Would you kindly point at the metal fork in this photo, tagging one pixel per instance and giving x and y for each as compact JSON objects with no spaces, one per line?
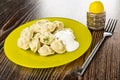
{"x":108,"y":31}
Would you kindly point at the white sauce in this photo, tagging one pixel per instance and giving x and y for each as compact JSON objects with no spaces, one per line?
{"x":68,"y":39}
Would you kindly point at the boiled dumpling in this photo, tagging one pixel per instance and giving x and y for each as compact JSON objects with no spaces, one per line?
{"x":45,"y":27}
{"x":26,"y":33}
{"x":59,"y":25}
{"x":58,"y":46}
{"x":23,"y":43}
{"x":51,"y":26}
{"x":36,"y":28}
{"x":35,"y":43}
{"x":47,"y":38}
{"x":25,"y":37}
{"x":48,"y":27}
{"x":45,"y":50}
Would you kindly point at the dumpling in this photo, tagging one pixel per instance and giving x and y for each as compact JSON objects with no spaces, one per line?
{"x":35,"y":43}
{"x":23,"y":43}
{"x":48,"y":27}
{"x":36,"y":28}
{"x":25,"y":37}
{"x":45,"y":27}
{"x":45,"y":50}
{"x":26,"y":33}
{"x":58,"y":46}
{"x":38,"y":25}
{"x":46,"y":38}
{"x":59,"y":25}
{"x":42,"y":26}
{"x":51,"y":26}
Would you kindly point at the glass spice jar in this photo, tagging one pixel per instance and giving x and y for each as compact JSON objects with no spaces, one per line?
{"x":96,"y":21}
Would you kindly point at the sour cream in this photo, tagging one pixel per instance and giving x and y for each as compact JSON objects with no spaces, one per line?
{"x":68,"y":39}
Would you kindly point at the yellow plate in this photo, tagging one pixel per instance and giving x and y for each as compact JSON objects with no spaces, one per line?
{"x":32,"y":60}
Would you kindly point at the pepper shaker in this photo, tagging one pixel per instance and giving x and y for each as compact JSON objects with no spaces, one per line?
{"x":96,"y":16}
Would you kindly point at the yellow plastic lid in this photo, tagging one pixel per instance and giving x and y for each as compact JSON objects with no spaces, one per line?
{"x":96,"y":7}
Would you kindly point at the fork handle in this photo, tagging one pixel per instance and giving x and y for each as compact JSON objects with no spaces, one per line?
{"x":90,"y":57}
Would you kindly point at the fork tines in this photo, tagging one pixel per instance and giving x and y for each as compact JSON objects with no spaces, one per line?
{"x":110,"y":25}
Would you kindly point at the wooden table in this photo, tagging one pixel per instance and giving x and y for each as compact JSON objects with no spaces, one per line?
{"x":104,"y":66}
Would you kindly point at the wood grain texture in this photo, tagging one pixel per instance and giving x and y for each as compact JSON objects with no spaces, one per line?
{"x":104,"y":66}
